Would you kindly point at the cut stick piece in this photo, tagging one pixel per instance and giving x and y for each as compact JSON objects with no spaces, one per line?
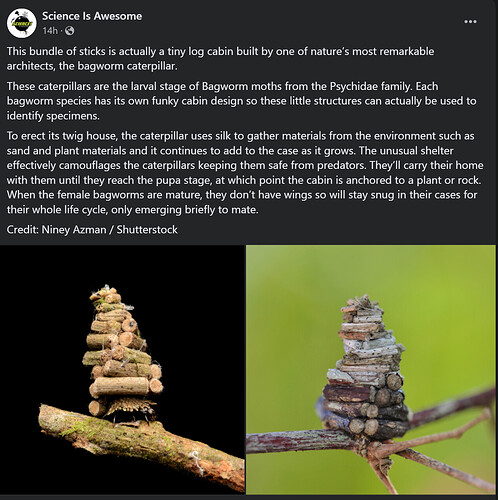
{"x":114,"y":368}
{"x":129,"y":339}
{"x":97,"y":371}
{"x":335,"y":376}
{"x":98,"y":341}
{"x":155,"y":386}
{"x":353,"y":394}
{"x":97,"y":407}
{"x":348,"y":409}
{"x":361,"y":335}
{"x":361,"y":328}
{"x":120,"y":386}
{"x":122,"y":353}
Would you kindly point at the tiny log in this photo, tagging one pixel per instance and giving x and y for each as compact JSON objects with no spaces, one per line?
{"x":378,"y":352}
{"x":347,"y":394}
{"x":116,"y":315}
{"x":129,"y":339}
{"x":394,"y":381}
{"x":372,"y":411}
{"x":389,"y":429}
{"x":363,"y":336}
{"x":114,"y":368}
{"x":113,"y":298}
{"x":397,"y":397}
{"x":335,"y":376}
{"x":92,"y":358}
{"x":97,"y":408}
{"x":366,"y":367}
{"x":155,"y":386}
{"x":129,"y":325}
{"x":369,"y":378}
{"x":398,"y":412}
{"x":131,"y":355}
{"x":361,"y":328}
{"x":333,"y":421}
{"x":383,"y":397}
{"x":348,"y":409}
{"x":105,"y":307}
{"x":97,"y":341}
{"x":356,"y":426}
{"x":97,"y":371}
{"x":119,"y":386}
{"x":371,"y":426}
{"x":99,"y":326}
{"x":382,"y":342}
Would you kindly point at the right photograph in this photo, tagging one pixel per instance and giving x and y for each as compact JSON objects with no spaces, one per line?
{"x":370,"y":369}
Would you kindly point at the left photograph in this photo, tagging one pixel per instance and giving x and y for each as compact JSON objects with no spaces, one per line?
{"x":128,"y":370}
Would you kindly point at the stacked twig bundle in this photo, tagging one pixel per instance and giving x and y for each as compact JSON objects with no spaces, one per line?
{"x":123,"y":373}
{"x":364,"y":394}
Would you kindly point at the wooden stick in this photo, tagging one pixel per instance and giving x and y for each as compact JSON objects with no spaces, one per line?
{"x":99,"y":341}
{"x":114,"y":368}
{"x":448,"y":470}
{"x":149,"y":442}
{"x":276,"y":442}
{"x":120,"y":386}
{"x":97,"y":408}
{"x":132,"y":341}
{"x":383,"y":477}
{"x":484,"y":398}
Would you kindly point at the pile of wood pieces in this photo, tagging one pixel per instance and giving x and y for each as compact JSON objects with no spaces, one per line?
{"x":123,"y":373}
{"x":364,"y":394}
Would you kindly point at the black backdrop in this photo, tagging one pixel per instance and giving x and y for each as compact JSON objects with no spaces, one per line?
{"x":189,"y":304}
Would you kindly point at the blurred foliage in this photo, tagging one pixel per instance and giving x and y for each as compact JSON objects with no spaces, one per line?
{"x":440,"y":302}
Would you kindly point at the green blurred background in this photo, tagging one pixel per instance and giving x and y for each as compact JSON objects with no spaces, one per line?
{"x":440,"y":302}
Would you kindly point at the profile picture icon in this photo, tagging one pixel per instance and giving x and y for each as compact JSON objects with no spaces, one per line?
{"x":21,"y":23}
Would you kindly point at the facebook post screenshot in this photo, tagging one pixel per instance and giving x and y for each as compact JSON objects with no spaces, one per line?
{"x":197,"y":196}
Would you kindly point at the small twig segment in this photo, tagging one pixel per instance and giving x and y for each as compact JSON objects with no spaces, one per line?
{"x":147,"y":441}
{"x":276,"y":442}
{"x":448,"y":470}
{"x":384,"y":450}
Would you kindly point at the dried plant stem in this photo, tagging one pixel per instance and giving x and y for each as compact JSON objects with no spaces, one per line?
{"x":275,"y":442}
{"x":483,"y":398}
{"x":447,"y":469}
{"x":382,"y":476}
{"x":384,"y":450}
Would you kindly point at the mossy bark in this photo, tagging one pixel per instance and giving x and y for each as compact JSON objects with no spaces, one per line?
{"x":148,"y":441}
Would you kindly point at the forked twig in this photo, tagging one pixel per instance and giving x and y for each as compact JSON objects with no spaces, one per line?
{"x":377,"y":452}
{"x":380,"y":450}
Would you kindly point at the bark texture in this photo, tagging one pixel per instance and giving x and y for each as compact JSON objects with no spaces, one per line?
{"x":148,"y":441}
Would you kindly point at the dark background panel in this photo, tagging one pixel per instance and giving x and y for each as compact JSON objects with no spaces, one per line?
{"x":189,"y":305}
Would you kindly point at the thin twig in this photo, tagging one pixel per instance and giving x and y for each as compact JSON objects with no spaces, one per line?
{"x":375,"y":464}
{"x":448,"y":470}
{"x":384,"y":450}
{"x":451,"y":406}
{"x":274,"y":442}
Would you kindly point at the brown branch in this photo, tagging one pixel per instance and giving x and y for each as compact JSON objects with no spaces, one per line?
{"x":447,"y":469}
{"x":275,"y":442}
{"x":147,"y":441}
{"x":484,"y":398}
